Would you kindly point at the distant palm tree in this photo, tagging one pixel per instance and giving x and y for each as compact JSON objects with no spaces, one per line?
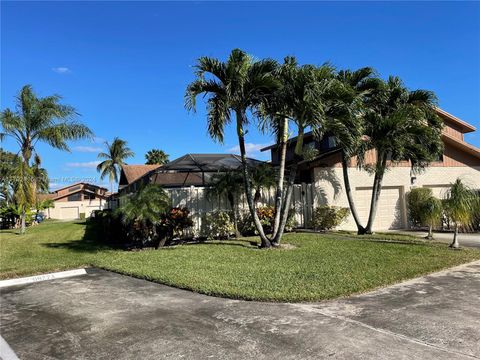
{"x":235,"y":86}
{"x":39,"y":119}
{"x":228,"y":183}
{"x":461,"y":204}
{"x":115,"y":157}
{"x":156,"y":156}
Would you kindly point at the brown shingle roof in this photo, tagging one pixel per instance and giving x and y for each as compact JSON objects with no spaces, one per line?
{"x":134,"y":172}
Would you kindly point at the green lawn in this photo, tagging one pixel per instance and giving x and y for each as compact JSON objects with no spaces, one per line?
{"x":320,"y":267}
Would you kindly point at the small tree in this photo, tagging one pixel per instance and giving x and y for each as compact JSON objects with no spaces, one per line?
{"x":156,"y":156}
{"x":460,"y":204}
{"x":431,"y":211}
{"x":143,"y":210}
{"x":416,"y":199}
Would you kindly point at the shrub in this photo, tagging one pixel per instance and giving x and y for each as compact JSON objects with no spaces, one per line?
{"x":328,"y":217}
{"x":416,"y":202}
{"x":218,"y":225}
{"x":175,"y":221}
{"x":266,"y":215}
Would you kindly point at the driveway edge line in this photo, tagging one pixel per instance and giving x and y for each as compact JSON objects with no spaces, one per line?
{"x":42,"y":277}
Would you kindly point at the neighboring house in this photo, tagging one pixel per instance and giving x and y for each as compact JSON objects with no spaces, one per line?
{"x":74,"y":200}
{"x":186,"y":171}
{"x":459,"y":160}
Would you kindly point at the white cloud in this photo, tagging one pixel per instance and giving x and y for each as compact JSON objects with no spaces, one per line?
{"x":61,"y":70}
{"x":98,"y":140}
{"x":87,"y":164}
{"x":88,"y":149}
{"x":250,"y":148}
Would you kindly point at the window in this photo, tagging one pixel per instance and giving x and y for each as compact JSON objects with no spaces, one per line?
{"x":75,"y":197}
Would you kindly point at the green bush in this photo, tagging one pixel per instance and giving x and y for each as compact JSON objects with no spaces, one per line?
{"x":217,"y":225}
{"x":266,"y":214}
{"x":328,"y":217}
{"x":416,"y":200}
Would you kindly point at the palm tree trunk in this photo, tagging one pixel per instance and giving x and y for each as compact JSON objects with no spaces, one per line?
{"x":291,"y":181}
{"x":348,"y":192}
{"x":23,"y":217}
{"x":430,"y":232}
{"x":455,"y":244}
{"x":281,"y":177}
{"x":286,"y":205}
{"x":377,"y":189}
{"x":265,"y":242}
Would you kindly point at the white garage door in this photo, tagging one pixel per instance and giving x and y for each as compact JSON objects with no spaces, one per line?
{"x":390,"y":211}
{"x":69,"y":213}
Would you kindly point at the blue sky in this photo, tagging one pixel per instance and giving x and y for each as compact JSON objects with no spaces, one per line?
{"x":125,"y":66}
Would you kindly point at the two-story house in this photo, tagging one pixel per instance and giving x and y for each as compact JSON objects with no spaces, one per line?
{"x":459,"y":160}
{"x":74,"y":200}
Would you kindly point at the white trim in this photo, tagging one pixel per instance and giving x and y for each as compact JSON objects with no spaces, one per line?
{"x":42,"y":277}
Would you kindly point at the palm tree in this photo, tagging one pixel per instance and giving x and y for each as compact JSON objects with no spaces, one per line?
{"x":262,"y":177}
{"x":115,"y":157}
{"x":345,"y":121}
{"x":431,"y":211}
{"x":41,"y":182}
{"x":227,"y":183}
{"x":401,"y":125}
{"x":144,"y":209}
{"x":40,"y":119}
{"x":302,"y":100}
{"x":156,"y":156}
{"x":460,"y":204}
{"x":235,"y":86}
{"x":24,"y":195}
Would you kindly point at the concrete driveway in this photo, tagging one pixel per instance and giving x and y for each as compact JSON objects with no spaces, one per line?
{"x":103,"y":315}
{"x":465,"y":239}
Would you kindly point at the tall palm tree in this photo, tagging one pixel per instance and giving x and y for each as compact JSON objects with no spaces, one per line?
{"x":401,"y":125}
{"x":346,"y":124}
{"x":302,"y":100}
{"x":460,"y":204}
{"x":227,"y":183}
{"x":39,"y":119}
{"x":156,"y":156}
{"x":235,"y":86}
{"x":115,"y":157}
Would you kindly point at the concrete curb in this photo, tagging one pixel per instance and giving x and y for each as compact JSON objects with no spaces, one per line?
{"x":42,"y":277}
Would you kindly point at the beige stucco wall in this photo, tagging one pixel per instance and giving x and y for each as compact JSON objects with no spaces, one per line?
{"x":69,"y":210}
{"x":329,"y":189}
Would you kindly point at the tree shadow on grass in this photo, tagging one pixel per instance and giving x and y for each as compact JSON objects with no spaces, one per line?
{"x":248,"y":244}
{"x":90,"y":242}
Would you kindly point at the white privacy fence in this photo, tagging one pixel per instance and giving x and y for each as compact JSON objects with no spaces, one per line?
{"x":195,"y":199}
